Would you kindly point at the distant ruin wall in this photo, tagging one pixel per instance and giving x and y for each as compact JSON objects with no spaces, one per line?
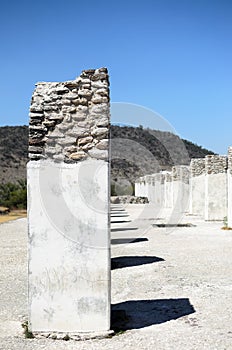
{"x":216,"y":187}
{"x":180,"y":176}
{"x":216,"y":164}
{"x":149,"y":184}
{"x":203,"y":189}
{"x":229,"y":187}
{"x":168,"y":191}
{"x":197,"y":187}
{"x":197,"y":167}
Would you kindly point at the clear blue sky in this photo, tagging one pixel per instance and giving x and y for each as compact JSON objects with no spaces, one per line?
{"x":172,"y":56}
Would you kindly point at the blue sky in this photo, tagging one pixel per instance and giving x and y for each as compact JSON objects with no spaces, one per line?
{"x":171,"y":56}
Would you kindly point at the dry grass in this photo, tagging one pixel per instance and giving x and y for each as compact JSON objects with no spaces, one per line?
{"x":13,"y":215}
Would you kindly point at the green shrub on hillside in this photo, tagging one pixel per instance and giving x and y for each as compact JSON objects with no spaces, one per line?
{"x":14,"y":195}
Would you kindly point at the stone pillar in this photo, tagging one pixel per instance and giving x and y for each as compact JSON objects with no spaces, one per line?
{"x":230,"y":187}
{"x":149,"y":181}
{"x":158,"y":197}
{"x":180,"y":178}
{"x":137,"y":188}
{"x":140,"y":187}
{"x":197,"y":187}
{"x":162,"y":188}
{"x":216,"y":187}
{"x":168,"y":190}
{"x":68,"y":206}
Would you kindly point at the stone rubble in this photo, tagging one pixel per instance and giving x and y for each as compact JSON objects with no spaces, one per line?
{"x":197,"y":167}
{"x":60,"y":114}
{"x":129,"y":200}
{"x":216,"y":164}
{"x":230,"y":160}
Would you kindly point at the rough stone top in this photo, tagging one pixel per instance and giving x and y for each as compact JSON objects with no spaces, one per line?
{"x":181,"y":173}
{"x":157,"y":177}
{"x":216,"y":164}
{"x":230,"y":160}
{"x":149,"y":179}
{"x":197,"y":167}
{"x":168,"y":176}
{"x":69,"y":121}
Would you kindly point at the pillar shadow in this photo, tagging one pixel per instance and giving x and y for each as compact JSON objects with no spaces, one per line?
{"x":128,"y":261}
{"x":136,"y":314}
{"x":116,"y":209}
{"x":119,"y":221}
{"x":119,"y":215}
{"x":173,"y":225}
{"x":128,"y":240}
{"x":124,"y":229}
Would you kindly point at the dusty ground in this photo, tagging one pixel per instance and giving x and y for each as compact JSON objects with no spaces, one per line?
{"x":174,"y":285}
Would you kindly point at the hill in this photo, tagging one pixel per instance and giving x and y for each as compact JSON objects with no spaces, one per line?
{"x":13,"y":153}
{"x":135,"y":152}
{"x":138,"y":151}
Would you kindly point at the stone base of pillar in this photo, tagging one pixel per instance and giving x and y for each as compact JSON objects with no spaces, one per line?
{"x":73,"y":336}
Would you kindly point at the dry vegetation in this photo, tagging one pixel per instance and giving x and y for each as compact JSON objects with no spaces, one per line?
{"x":135,"y":152}
{"x":13,"y":215}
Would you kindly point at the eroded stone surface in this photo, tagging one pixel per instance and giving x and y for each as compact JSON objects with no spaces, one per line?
{"x":65,"y":111}
{"x":197,"y":167}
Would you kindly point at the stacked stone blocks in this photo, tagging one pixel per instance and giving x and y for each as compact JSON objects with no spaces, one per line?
{"x":69,"y":121}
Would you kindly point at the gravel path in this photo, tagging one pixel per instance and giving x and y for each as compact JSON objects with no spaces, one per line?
{"x":175,"y":287}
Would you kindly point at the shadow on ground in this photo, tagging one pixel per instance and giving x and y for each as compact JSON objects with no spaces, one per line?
{"x":119,"y":215}
{"x":124,"y":229}
{"x":119,"y":221}
{"x":128,"y":240}
{"x":128,"y":261}
{"x":135,"y":314}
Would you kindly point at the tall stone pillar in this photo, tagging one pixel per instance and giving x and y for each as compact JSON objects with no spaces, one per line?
{"x":68,"y":206}
{"x":230,"y":187}
{"x":216,"y":187}
{"x":150,"y":186}
{"x":180,"y":178}
{"x":143,"y":187}
{"x":197,"y":187}
{"x":158,"y":193}
{"x":137,"y":188}
{"x":168,"y":190}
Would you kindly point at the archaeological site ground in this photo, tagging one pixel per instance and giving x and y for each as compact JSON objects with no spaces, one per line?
{"x":149,"y":269}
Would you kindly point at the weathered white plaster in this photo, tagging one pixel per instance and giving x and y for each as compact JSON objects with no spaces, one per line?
{"x":141,"y":188}
{"x":168,"y":194}
{"x":229,"y":179}
{"x":180,"y":177}
{"x":137,"y":189}
{"x":229,"y":199}
{"x":69,"y":254}
{"x":180,"y":196}
{"x":215,"y":196}
{"x":159,"y":191}
{"x":197,"y":195}
{"x":150,"y":188}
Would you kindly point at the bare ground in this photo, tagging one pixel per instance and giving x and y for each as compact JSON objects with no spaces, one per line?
{"x":173,"y":287}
